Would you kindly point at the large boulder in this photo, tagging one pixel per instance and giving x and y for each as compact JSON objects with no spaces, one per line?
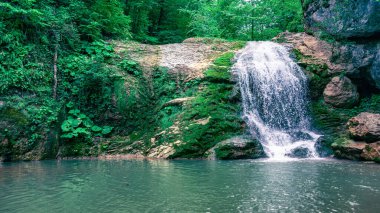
{"x":239,"y":147}
{"x":365,"y":127}
{"x":345,"y":19}
{"x":341,"y":92}
{"x":360,"y":60}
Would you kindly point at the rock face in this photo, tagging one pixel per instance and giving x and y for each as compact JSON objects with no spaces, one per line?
{"x":184,"y":61}
{"x":240,"y":147}
{"x":365,"y":126}
{"x":375,"y":70}
{"x":360,"y":60}
{"x":340,"y":92}
{"x":358,"y":151}
{"x":346,"y":19}
{"x":365,"y":129}
{"x":353,"y":20}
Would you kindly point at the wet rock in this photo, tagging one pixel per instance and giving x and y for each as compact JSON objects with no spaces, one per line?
{"x":322,"y":146}
{"x":365,"y":126}
{"x":299,"y":152}
{"x":346,"y":19}
{"x":341,"y":92}
{"x":240,"y":147}
{"x":163,"y":151}
{"x":358,"y":151}
{"x":299,"y":135}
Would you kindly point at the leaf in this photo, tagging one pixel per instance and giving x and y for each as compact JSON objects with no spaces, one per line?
{"x":75,"y":123}
{"x":87,"y":123}
{"x":82,"y":116}
{"x":81,"y":131}
{"x":74,"y":112}
{"x":66,"y":126}
{"x":96,"y":128}
{"x":107,"y":130}
{"x":68,"y":136}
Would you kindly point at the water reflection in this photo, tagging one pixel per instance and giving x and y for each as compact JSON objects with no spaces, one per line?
{"x":189,"y":186}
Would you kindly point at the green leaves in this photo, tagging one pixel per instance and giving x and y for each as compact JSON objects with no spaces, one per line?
{"x":106,"y":130}
{"x":132,"y":67}
{"x":80,"y":126}
{"x":96,"y":128}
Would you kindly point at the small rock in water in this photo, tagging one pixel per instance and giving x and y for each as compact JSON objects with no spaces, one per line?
{"x":299,"y":152}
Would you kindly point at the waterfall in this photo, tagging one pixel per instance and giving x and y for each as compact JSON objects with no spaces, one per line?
{"x":274,"y":99}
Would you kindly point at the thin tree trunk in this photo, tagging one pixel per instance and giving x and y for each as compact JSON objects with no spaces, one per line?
{"x":55,"y":71}
{"x":252,"y":22}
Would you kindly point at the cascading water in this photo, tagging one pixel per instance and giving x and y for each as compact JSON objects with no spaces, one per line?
{"x":273,"y":90}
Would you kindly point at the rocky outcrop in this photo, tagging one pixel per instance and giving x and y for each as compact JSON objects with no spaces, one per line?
{"x":240,"y":147}
{"x":184,"y":61}
{"x":358,"y":151}
{"x":365,"y":127}
{"x":359,"y":60}
{"x":344,"y":19}
{"x":348,"y":25}
{"x":341,"y":92}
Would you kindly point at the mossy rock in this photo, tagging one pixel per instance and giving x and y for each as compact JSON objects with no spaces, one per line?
{"x":239,"y":147}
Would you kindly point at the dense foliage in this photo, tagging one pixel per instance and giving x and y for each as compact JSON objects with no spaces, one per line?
{"x":173,"y":20}
{"x":60,"y":76}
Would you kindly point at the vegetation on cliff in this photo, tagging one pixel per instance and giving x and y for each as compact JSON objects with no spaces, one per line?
{"x":72,"y":81}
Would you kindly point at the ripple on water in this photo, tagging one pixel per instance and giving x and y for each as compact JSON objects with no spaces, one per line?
{"x":190,"y":186}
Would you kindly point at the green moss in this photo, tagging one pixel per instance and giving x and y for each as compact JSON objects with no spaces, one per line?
{"x":224,"y":60}
{"x":332,"y":121}
{"x":340,"y":141}
{"x":217,"y":75}
{"x":376,"y":160}
{"x":318,"y":75}
{"x":13,"y":115}
{"x":212,"y":116}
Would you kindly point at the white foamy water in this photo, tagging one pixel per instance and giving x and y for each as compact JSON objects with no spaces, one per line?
{"x":274,"y":96}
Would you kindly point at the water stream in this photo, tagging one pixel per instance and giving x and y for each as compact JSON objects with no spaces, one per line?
{"x":274,"y":96}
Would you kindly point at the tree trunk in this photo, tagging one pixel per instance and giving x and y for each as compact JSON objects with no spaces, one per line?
{"x":252,"y":22}
{"x":55,"y":71}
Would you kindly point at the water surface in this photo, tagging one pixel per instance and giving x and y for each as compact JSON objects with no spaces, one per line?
{"x":189,"y":186}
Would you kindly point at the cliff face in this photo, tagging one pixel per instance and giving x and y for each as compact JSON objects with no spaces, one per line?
{"x":179,"y":102}
{"x":356,"y":25}
{"x":344,"y":46}
{"x":343,"y":18}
